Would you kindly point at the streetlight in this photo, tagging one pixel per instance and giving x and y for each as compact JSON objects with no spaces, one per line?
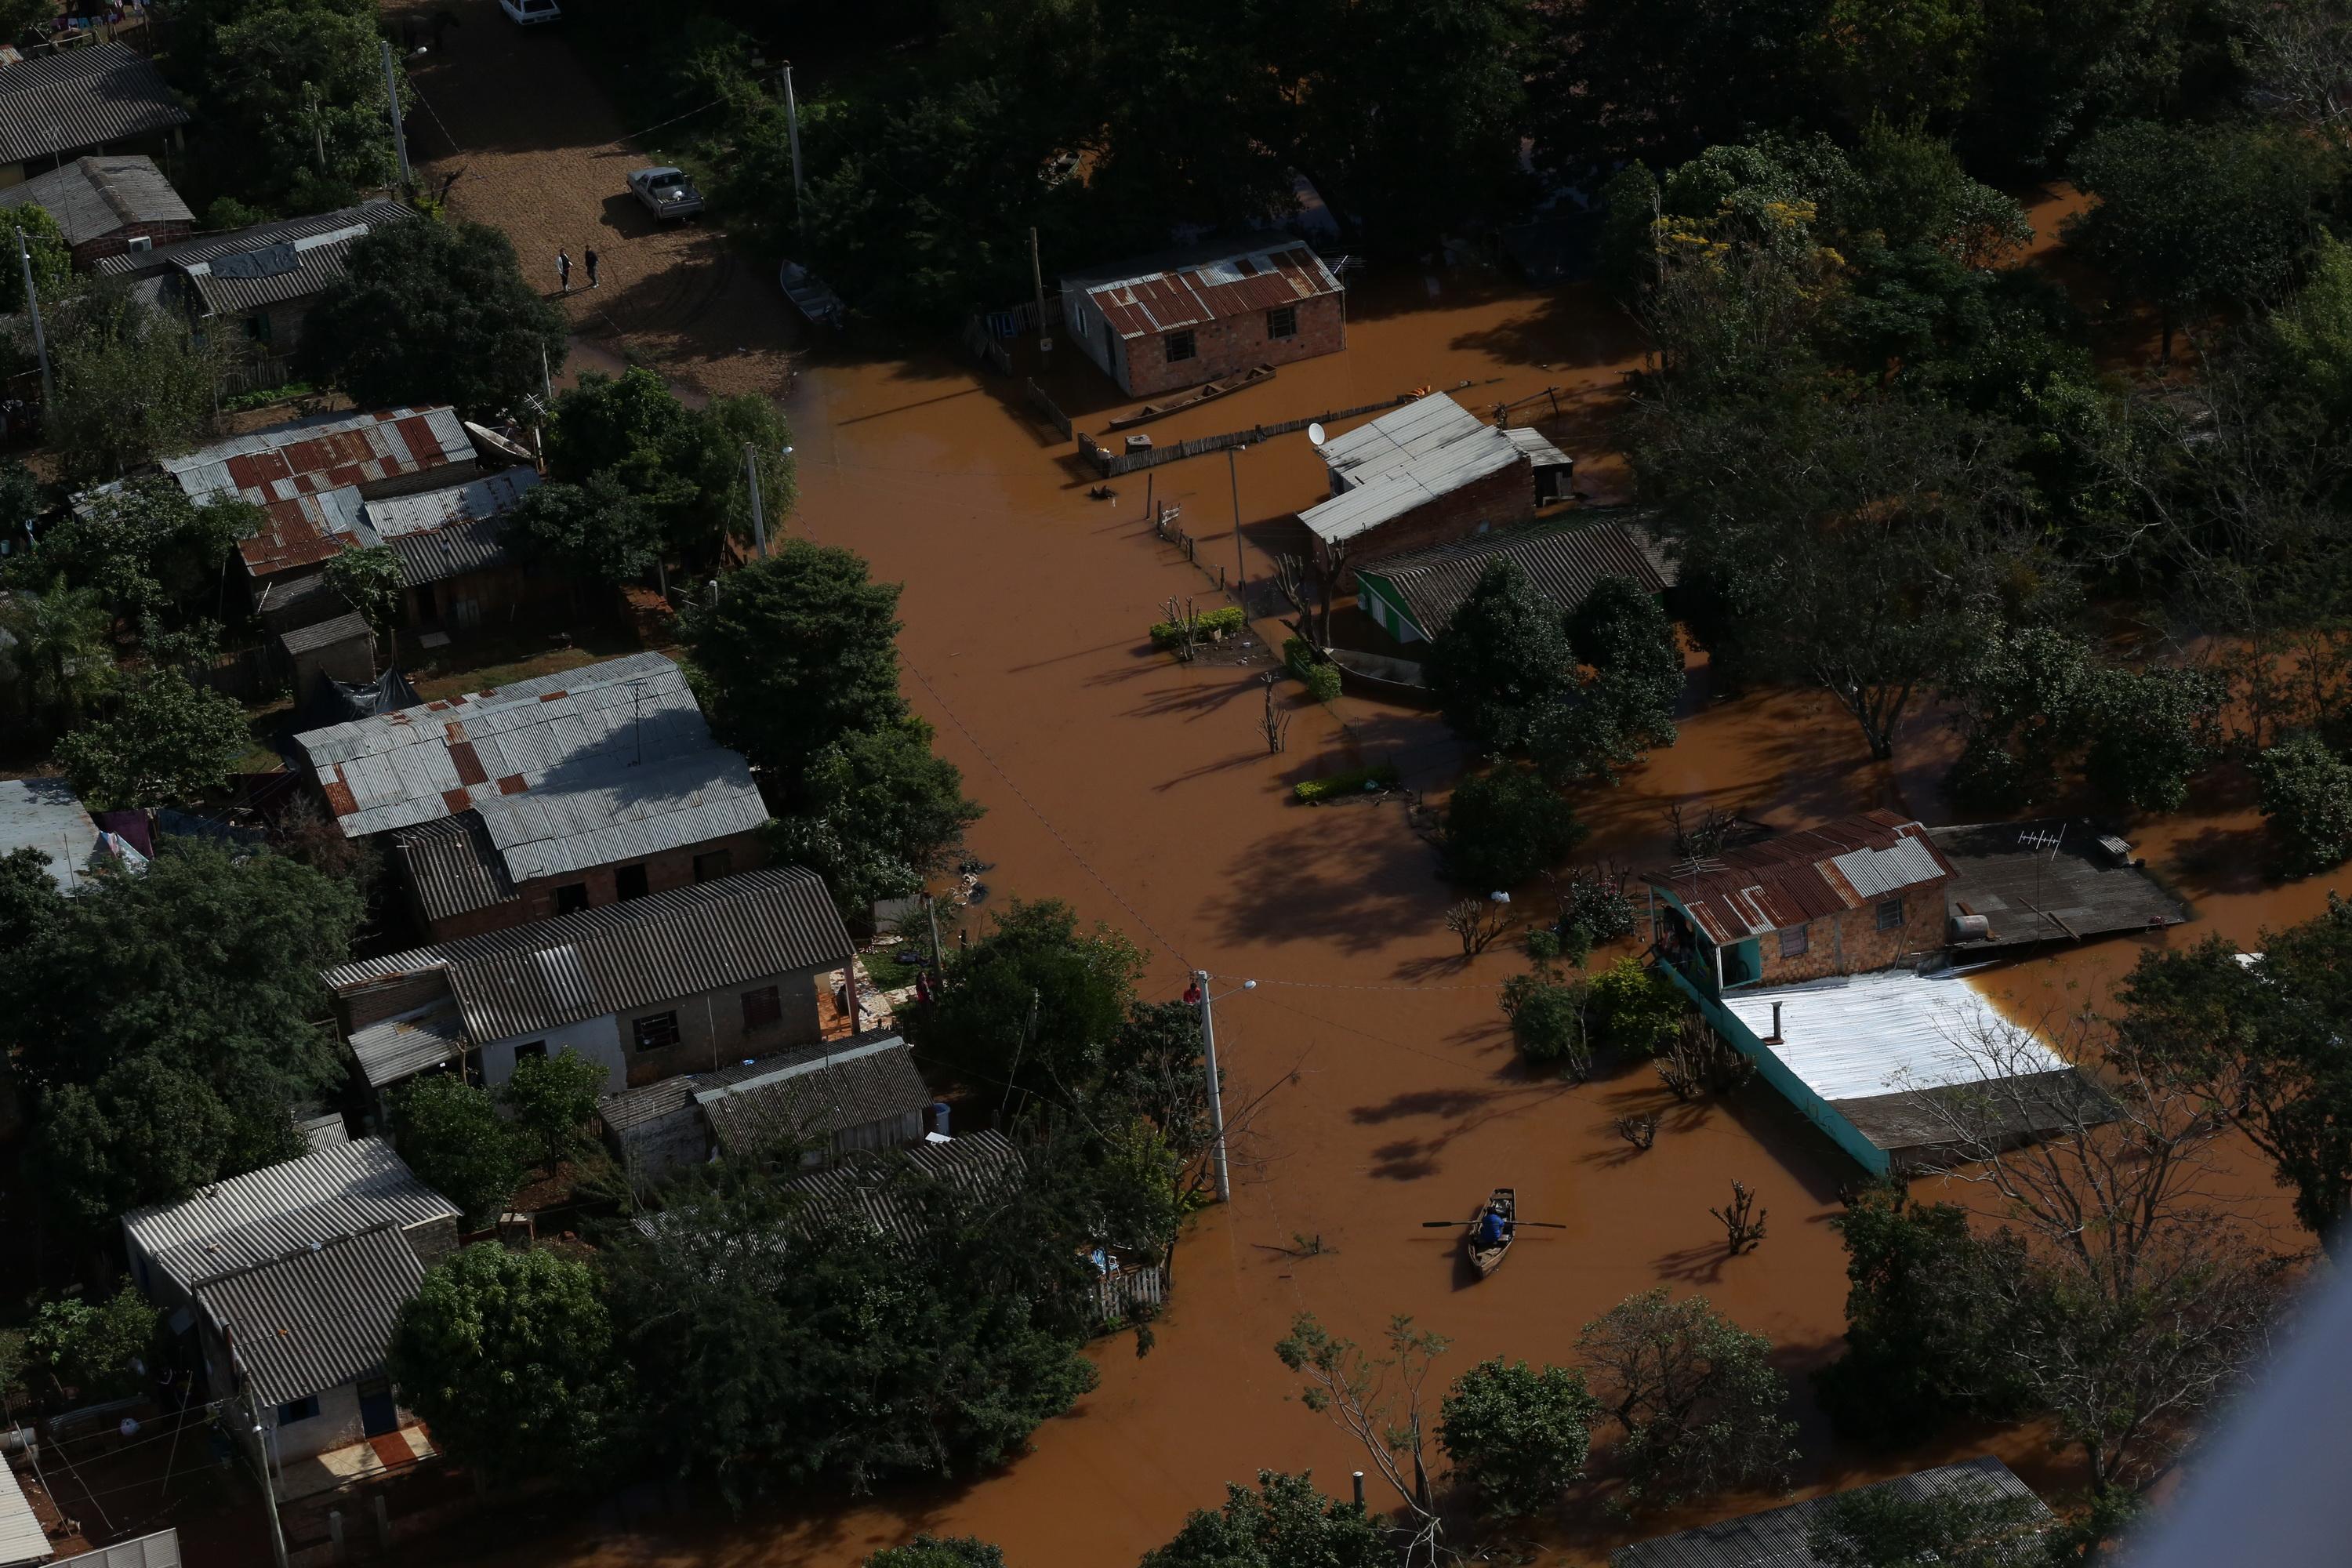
{"x":752,"y":467}
{"x":1199,"y":992}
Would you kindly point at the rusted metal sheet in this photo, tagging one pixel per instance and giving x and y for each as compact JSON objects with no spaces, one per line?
{"x":469,"y":766}
{"x":1217,"y":289}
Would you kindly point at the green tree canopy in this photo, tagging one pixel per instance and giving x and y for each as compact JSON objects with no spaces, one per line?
{"x":146,"y":1132}
{"x":165,"y":741}
{"x":134,"y":384}
{"x":1515,"y":1434}
{"x":682,"y":464}
{"x":36,"y":231}
{"x":597,"y":529}
{"x":89,"y":1345}
{"x":928,"y":1550}
{"x":554,"y":1100}
{"x":799,"y":650}
{"x":370,"y":582}
{"x":1038,"y":988}
{"x":2306,"y":794}
{"x":430,"y":312}
{"x":1695,"y":1396}
{"x":452,"y":1136}
{"x":146,"y":548}
{"x":1505,"y":661}
{"x":508,"y":1357}
{"x":1504,"y":826}
{"x":880,"y":813}
{"x":290,"y":98}
{"x":1285,"y":1523}
{"x":60,"y":655}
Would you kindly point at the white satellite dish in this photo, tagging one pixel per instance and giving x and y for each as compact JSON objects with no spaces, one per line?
{"x":1314,"y":434}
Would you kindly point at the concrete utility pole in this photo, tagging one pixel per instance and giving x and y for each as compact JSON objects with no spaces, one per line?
{"x":1038,"y":276}
{"x":40,"y":343}
{"x":1216,"y":1086}
{"x":793,"y":134}
{"x":392,"y":101}
{"x":759,"y":523}
{"x":1241,"y":570}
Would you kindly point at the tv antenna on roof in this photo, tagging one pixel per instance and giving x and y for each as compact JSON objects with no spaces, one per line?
{"x":2038,"y":840}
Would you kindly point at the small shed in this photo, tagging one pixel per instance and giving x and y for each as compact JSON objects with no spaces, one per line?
{"x":1780,"y":1537}
{"x":342,"y":650}
{"x":831,"y":1099}
{"x":107,"y":205}
{"x":1427,"y":474}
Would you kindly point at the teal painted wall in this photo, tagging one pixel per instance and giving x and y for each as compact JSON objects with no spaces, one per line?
{"x":1777,"y":1073}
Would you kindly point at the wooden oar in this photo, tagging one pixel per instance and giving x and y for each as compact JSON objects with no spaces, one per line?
{"x":1545,"y":1223}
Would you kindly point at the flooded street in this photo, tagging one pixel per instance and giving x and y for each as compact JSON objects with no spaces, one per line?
{"x":1140,"y":792}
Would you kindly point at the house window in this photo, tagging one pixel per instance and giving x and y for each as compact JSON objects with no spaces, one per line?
{"x":530,"y":1048}
{"x":302,"y":1409}
{"x":1180,"y":347}
{"x":713,"y":864}
{"x":657,"y":1030}
{"x":1795,"y":940}
{"x":570,"y":898}
{"x":1890,"y":915}
{"x":629,"y":882}
{"x":761,"y":1008}
{"x":1281,"y":322}
{"x":257,"y":327}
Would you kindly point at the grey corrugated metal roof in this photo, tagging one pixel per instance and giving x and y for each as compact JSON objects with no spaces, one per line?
{"x":45,"y":814}
{"x":809,"y":1095}
{"x":1903,"y":864}
{"x":629,"y":955}
{"x":440,"y":553}
{"x":1401,"y":438}
{"x":453,"y":866}
{"x":1562,"y":563}
{"x":268,"y":1213}
{"x":314,"y":264}
{"x":93,"y":196}
{"x":22,"y":1539}
{"x":348,"y":628}
{"x":368,"y":215}
{"x":1778,"y":1538}
{"x":490,"y":496}
{"x":79,"y":99}
{"x":161,"y":1550}
{"x":318,"y":1319}
{"x":874,"y":1189}
{"x":402,"y":1047}
{"x":1429,"y":449}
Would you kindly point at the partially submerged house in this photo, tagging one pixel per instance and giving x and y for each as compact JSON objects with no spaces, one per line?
{"x":1430,"y":473}
{"x":291,"y":1278}
{"x":1413,"y":596}
{"x":2015,"y":883}
{"x":1782,"y":1537}
{"x":107,"y":205}
{"x":692,"y":980}
{"x":1160,"y":322}
{"x":826,"y":1102}
{"x":253,"y":285}
{"x":104,"y":97}
{"x":558,"y":794}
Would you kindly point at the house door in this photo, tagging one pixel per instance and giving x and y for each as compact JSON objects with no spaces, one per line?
{"x":465,"y":612}
{"x":378,"y":1414}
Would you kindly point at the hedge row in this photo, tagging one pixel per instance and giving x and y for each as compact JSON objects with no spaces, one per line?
{"x":1340,"y":786}
{"x":1206,"y":626}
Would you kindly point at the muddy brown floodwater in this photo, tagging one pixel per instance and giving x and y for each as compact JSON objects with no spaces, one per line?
{"x":1140,"y":792}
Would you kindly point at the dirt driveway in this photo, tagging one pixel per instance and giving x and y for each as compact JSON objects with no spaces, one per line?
{"x":536,"y":149}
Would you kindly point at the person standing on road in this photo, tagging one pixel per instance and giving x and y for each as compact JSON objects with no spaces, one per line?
{"x":591,"y":265}
{"x":564,"y":268}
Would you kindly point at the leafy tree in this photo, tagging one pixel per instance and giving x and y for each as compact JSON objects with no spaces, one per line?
{"x":1504,"y":662}
{"x":20,"y":496}
{"x":1904,"y":60}
{"x":1695,"y":1395}
{"x":2192,"y":217}
{"x":2306,"y":794}
{"x":291,"y":94}
{"x":2309,"y":337}
{"x":1036,"y":990}
{"x":2151,"y":731}
{"x":1925,"y":1322}
{"x":452,"y":1136}
{"x":928,"y":1550}
{"x":1515,"y":1434}
{"x":88,"y":1346}
{"x":553,"y":1098}
{"x":165,"y":742}
{"x":682,"y":465}
{"x":32,"y":227}
{"x":879,"y":813}
{"x":433,"y":312}
{"x":1628,"y":705}
{"x":1552,"y":1022}
{"x":59,"y":651}
{"x":146,"y":548}
{"x":2262,"y":1045}
{"x":597,"y":529}
{"x":1634,"y":1009}
{"x":799,"y":650}
{"x":1967,"y":1524}
{"x":508,"y":1357}
{"x":1505,"y":826}
{"x":1908,"y":188}
{"x":133,"y":383}
{"x":1595,"y":903}
{"x":371,"y":583}
{"x":2023,"y":701}
{"x":747,"y":419}
{"x":1285,"y":1523}
{"x":145,"y":1132}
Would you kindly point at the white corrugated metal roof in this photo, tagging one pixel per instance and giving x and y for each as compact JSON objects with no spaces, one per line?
{"x":1865,"y":1034}
{"x":161,"y":1550}
{"x":22,"y":1539}
{"x":270,"y":1213}
{"x":1878,"y":872}
{"x":1400,"y":436}
{"x":395,"y":516}
{"x":1538,"y":446}
{"x":1406,"y":459}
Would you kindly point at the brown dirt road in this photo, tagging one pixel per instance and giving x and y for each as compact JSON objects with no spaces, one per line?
{"x":1139,"y":791}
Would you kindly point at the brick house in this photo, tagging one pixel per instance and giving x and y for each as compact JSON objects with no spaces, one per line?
{"x":1427,"y":474}
{"x":106,"y":206}
{"x":1861,"y":893}
{"x":693,"y":980}
{"x":562,"y":793}
{"x":1157,"y":323}
{"x":454,"y":558}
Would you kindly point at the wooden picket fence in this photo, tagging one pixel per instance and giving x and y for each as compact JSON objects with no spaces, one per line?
{"x":1132,"y":1292}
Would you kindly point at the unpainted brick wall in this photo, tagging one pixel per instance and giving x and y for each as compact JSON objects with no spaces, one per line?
{"x":669,"y":869}
{"x":1498,"y":499}
{"x":711,"y":1027}
{"x":1229,"y":346}
{"x":1850,"y":943}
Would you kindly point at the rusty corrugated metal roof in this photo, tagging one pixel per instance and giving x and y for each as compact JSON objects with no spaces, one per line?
{"x":1794,"y":878}
{"x":1261,"y":276}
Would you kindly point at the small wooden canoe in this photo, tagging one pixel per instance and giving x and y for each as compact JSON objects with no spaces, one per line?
{"x":1485,"y":1261}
